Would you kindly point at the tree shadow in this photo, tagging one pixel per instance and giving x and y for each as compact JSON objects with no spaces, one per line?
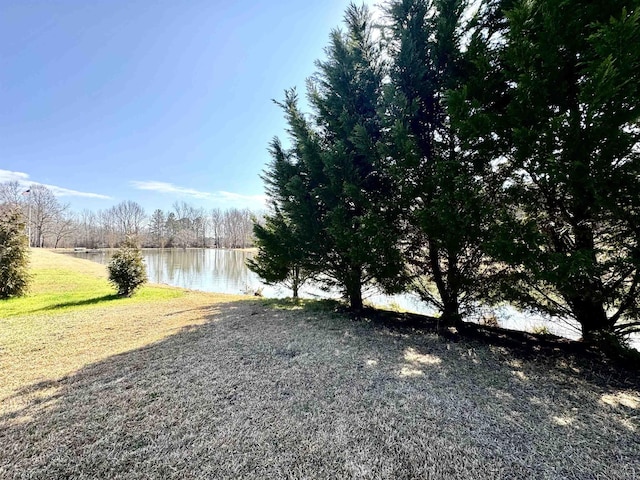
{"x":309,"y":305}
{"x":520,"y":344}
{"x":280,"y":390}
{"x":83,"y":303}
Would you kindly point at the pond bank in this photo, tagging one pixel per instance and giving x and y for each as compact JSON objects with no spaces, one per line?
{"x":203,"y":385}
{"x":225,"y":271}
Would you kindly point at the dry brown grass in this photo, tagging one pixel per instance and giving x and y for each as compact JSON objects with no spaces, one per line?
{"x":39,"y":349}
{"x":210,"y":386}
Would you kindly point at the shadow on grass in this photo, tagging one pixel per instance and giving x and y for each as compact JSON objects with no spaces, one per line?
{"x":83,"y":303}
{"x":520,"y":344}
{"x":283,"y":389}
{"x":309,"y":305}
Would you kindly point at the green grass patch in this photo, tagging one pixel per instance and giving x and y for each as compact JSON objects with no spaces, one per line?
{"x":58,"y":286}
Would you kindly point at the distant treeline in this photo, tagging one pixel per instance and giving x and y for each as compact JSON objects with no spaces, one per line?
{"x":54,"y":225}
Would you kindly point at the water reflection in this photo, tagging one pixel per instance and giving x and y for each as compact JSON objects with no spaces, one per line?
{"x":211,"y":270}
{"x":225,"y":271}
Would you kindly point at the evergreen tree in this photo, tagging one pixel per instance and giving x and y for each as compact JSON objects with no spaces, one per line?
{"x":127,"y":271}
{"x":157,"y":226}
{"x":565,"y":120}
{"x":172,"y":229}
{"x":14,"y":253}
{"x":441,"y":191}
{"x":280,"y":258}
{"x":329,"y":184}
{"x":285,"y":241}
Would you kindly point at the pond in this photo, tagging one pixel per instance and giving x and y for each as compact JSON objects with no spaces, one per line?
{"x":225,"y":271}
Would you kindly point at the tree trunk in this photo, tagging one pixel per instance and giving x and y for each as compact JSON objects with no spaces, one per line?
{"x":296,"y":281}
{"x":450,"y":305}
{"x":592,"y":317}
{"x":593,"y":320}
{"x":355,"y":300}
{"x":434,"y":261}
{"x":353,"y":287}
{"x":451,"y":310}
{"x":450,"y":313}
{"x":588,"y":306}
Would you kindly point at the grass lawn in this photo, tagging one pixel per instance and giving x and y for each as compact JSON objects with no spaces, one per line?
{"x":177,"y":384}
{"x":62,"y":282}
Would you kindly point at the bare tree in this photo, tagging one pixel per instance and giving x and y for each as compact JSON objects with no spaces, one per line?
{"x":246,"y":228}
{"x":45,"y":209}
{"x":11,"y":192}
{"x":216,"y":218}
{"x":190,"y":224}
{"x":63,"y":227}
{"x":129,"y":218}
{"x":182,"y":209}
{"x":237,"y":228}
{"x":107,"y":225}
{"x":87,"y":232}
{"x":186,"y":226}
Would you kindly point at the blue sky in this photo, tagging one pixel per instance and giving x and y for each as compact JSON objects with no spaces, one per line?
{"x":151,"y":101}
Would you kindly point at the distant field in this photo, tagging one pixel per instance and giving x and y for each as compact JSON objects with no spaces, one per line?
{"x":176,"y":384}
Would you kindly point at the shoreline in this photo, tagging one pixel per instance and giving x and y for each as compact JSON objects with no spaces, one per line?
{"x":183,"y":384}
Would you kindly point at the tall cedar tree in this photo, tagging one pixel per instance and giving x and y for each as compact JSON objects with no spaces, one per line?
{"x":564,"y":120}
{"x":14,"y":252}
{"x":328,"y":186}
{"x":288,"y":242}
{"x":440,"y":189}
{"x":280,"y":257}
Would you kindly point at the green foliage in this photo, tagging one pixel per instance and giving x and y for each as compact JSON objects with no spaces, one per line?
{"x":328,"y":188}
{"x":566,"y":138}
{"x":489,"y":157}
{"x":14,"y":253}
{"x":280,"y":258}
{"x":441,"y":190}
{"x":126,"y":268}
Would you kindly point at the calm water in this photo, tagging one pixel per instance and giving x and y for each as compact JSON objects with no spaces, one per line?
{"x":210,"y":270}
{"x":225,"y":271}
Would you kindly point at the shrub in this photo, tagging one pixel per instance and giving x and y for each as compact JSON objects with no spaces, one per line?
{"x":541,"y":330}
{"x":14,"y":253}
{"x":126,"y":268}
{"x":489,"y":321}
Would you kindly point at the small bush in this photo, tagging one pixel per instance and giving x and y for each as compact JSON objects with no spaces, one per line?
{"x":541,"y":330}
{"x":489,"y":321}
{"x":126,"y":268}
{"x":14,"y":253}
{"x":395,"y":307}
{"x":256,"y":292}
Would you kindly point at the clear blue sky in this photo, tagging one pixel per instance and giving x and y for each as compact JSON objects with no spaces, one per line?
{"x":151,"y":101}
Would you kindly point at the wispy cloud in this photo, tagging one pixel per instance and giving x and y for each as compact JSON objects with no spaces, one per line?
{"x":164,"y":187}
{"x":219,"y":196}
{"x":67,"y":192}
{"x":23,"y":179}
{"x":230,"y":196}
{"x":9,"y":176}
